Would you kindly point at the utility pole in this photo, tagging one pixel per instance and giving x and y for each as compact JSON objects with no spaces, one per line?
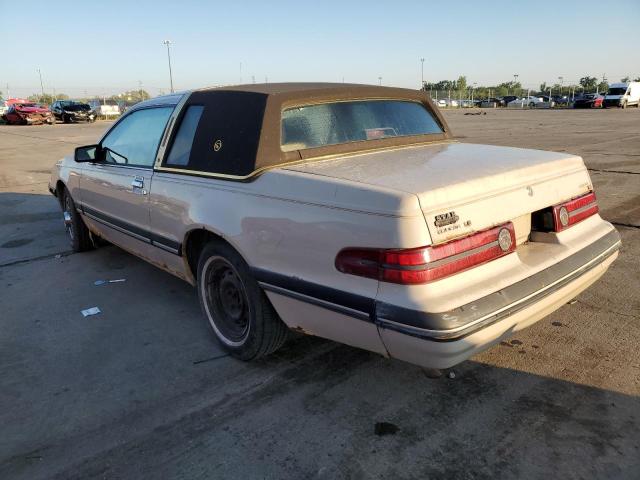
{"x":421,"y":73}
{"x":41,"y":84}
{"x":240,"y":72}
{"x":168,"y":43}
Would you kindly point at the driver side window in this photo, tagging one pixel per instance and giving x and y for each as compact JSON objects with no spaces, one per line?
{"x":134,"y":141}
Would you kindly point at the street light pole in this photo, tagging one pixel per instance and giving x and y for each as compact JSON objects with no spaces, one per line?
{"x":421,"y":73}
{"x":379,"y":80}
{"x":41,"y":84}
{"x":167,"y":43}
{"x":515,"y":80}
{"x":561,"y":85}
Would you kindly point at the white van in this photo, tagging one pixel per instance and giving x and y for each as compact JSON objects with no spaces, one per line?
{"x":622,"y":95}
{"x":107,"y":108}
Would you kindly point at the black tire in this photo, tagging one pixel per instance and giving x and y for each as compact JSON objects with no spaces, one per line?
{"x":66,"y":119}
{"x":77,"y":231}
{"x":239,"y":313}
{"x":532,"y":105}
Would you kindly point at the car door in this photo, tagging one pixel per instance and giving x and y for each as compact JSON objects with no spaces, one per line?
{"x":114,"y":191}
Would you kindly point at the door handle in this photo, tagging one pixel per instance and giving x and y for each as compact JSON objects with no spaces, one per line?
{"x":137,"y":185}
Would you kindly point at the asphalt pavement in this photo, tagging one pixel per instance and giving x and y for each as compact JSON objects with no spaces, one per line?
{"x":142,"y":390}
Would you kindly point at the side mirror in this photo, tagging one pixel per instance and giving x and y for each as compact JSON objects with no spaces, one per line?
{"x":87,"y":154}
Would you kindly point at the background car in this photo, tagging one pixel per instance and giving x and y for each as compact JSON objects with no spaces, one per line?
{"x":492,"y":102}
{"x":70,"y":111}
{"x":28,"y":114}
{"x":560,"y":99}
{"x":531,"y":101}
{"x":106,"y":108}
{"x":506,"y":99}
{"x":447,"y":102}
{"x":588,"y":100}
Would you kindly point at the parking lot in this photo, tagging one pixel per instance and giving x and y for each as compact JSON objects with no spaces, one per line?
{"x":143,"y":391}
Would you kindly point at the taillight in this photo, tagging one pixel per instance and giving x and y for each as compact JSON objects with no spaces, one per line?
{"x":574,"y":211}
{"x":427,"y":264}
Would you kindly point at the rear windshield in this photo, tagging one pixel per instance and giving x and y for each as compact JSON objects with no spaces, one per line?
{"x":342,"y":122}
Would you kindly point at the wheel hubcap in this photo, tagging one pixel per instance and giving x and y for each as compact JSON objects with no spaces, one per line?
{"x":68,"y":219}
{"x":226,"y":301}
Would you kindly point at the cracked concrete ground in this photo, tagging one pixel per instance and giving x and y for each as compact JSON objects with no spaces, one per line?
{"x":142,"y":390}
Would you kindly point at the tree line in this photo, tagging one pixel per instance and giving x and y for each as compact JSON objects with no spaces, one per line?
{"x":461,"y":89}
{"x":129,"y":97}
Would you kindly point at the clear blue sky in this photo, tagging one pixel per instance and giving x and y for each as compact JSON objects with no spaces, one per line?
{"x":106,"y":47}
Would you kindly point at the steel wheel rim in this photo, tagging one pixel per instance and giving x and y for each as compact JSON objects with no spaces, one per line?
{"x":67,"y":217}
{"x":226,"y":302}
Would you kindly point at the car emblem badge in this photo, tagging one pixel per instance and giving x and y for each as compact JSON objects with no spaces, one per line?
{"x":217,"y":145}
{"x":446,"y":219}
{"x":504,"y":240}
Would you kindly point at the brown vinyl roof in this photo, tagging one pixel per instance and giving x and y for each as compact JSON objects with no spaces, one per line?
{"x":297,"y":87}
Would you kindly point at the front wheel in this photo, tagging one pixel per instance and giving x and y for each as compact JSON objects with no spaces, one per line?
{"x":238,"y":311}
{"x":77,"y":231}
{"x":532,"y":105}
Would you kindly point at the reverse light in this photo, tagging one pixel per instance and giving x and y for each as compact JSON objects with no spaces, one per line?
{"x":428,"y":264}
{"x":574,"y":211}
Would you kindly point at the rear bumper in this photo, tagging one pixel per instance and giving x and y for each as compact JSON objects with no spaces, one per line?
{"x":466,"y":319}
{"x":518,"y":307}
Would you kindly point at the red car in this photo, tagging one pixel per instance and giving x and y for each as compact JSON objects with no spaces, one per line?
{"x":28,"y":114}
{"x":589,"y":100}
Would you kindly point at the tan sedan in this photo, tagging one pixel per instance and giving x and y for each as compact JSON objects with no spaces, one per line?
{"x":343,"y":211}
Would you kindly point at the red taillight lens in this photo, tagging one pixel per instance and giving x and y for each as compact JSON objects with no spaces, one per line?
{"x":427,"y":264}
{"x":574,"y":211}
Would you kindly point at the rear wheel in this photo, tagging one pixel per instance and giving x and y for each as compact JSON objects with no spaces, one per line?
{"x":238,"y":311}
{"x":532,"y":105}
{"x":77,"y":231}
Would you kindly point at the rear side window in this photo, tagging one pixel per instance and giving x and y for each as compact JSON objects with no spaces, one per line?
{"x":219,"y":133}
{"x":343,"y":122}
{"x":181,"y":148}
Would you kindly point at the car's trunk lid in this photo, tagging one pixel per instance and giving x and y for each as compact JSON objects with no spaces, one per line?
{"x":464,"y":188}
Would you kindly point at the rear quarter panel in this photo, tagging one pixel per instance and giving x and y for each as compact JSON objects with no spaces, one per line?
{"x":289,"y":222}
{"x":293,"y":224}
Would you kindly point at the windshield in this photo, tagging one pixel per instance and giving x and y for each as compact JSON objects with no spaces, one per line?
{"x":74,"y":106}
{"x":343,"y":122}
{"x":617,"y":91}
